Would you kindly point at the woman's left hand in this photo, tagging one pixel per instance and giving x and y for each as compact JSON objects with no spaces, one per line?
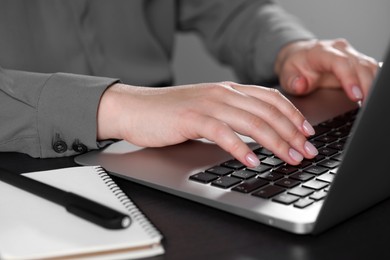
{"x":304,"y":66}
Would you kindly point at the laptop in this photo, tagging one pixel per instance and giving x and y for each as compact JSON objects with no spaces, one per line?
{"x":349,"y":175}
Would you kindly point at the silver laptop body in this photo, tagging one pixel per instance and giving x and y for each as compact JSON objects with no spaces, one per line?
{"x":362,"y":178}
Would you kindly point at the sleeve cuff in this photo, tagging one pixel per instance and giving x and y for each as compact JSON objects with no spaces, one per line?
{"x":67,"y":111}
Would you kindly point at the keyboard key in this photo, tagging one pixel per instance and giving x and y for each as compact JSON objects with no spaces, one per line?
{"x":340,"y":133}
{"x":271,"y":176}
{"x":319,"y":195}
{"x":300,"y":191}
{"x":302,"y":176}
{"x":250,"y":185}
{"x":338,"y":157}
{"x":268,"y":191}
{"x":219,"y":170}
{"x":304,"y":163}
{"x":326,"y":139}
{"x":316,"y":169}
{"x":203,"y":177}
{"x":327,"y":151}
{"x":226,"y":182}
{"x":319,"y":130}
{"x":319,"y":157}
{"x":261,"y":157}
{"x":263,"y":151}
{"x":234,"y":164}
{"x":243,"y":174}
{"x":286,"y":169}
{"x":315,"y":184}
{"x":272,"y":161}
{"x":303,"y":203}
{"x":261,"y":168}
{"x":285,"y":198}
{"x":337,"y":145}
{"x":317,"y":144}
{"x":327,"y":177}
{"x":287,"y":183}
{"x":329,"y":164}
{"x":332,"y":123}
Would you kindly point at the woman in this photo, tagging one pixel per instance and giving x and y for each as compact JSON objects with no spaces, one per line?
{"x":73,"y":70}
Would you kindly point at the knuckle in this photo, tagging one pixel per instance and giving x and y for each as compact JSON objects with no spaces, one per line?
{"x":342,"y":63}
{"x":369,"y":62}
{"x":341,"y":43}
{"x":227,"y":83}
{"x":255,"y":123}
{"x":218,"y":89}
{"x":373,"y":63}
{"x":219,"y":130}
{"x":275,"y":93}
{"x":366,"y":64}
{"x":320,"y":46}
{"x":234,"y":147}
{"x":279,"y":145}
{"x":273,"y":112}
{"x":276,"y":96}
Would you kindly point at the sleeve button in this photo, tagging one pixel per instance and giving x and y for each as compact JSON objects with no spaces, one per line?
{"x":80,"y":148}
{"x":60,"y":146}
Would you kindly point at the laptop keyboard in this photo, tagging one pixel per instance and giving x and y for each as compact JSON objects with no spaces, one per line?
{"x":300,"y":185}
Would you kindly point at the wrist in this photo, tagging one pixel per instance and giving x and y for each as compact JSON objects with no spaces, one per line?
{"x":108,"y":113}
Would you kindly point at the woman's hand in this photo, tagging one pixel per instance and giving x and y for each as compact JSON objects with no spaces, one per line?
{"x":156,"y":117}
{"x":306,"y":65}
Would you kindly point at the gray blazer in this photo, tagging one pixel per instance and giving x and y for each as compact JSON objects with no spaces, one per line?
{"x":57,"y":57}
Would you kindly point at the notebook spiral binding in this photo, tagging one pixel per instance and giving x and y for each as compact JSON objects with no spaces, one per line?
{"x":135,"y":213}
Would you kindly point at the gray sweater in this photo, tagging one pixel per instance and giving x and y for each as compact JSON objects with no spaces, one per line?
{"x":57,"y":57}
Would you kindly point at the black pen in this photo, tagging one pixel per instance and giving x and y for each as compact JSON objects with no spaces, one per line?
{"x":75,"y":204}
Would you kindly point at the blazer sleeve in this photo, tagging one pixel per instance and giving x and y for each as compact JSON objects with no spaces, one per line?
{"x":244,"y":34}
{"x":49,"y":115}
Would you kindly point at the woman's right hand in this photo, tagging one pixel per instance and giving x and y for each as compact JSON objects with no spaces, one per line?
{"x":154,"y":117}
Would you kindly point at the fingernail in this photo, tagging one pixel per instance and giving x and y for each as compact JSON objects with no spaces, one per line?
{"x":296,"y":156}
{"x":295,"y":83}
{"x":310,"y":148}
{"x":308,"y":128}
{"x":252,"y":159}
{"x":357,"y":93}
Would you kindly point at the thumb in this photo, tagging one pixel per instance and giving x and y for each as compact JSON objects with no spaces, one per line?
{"x":295,"y":84}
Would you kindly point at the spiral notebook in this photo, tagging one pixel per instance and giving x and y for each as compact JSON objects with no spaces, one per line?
{"x":35,"y":228}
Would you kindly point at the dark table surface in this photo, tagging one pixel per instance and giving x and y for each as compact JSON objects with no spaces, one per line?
{"x":195,"y":231}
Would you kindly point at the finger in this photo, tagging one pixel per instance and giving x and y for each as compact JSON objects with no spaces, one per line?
{"x":355,"y":71}
{"x":220,"y":133}
{"x":341,"y":66}
{"x":277,"y":133}
{"x":263,"y":102}
{"x":313,"y":67}
{"x":295,"y":80}
{"x":366,"y":78}
{"x":328,"y":80}
{"x":364,"y":66}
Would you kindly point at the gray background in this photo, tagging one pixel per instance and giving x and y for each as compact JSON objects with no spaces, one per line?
{"x":364,"y":23}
